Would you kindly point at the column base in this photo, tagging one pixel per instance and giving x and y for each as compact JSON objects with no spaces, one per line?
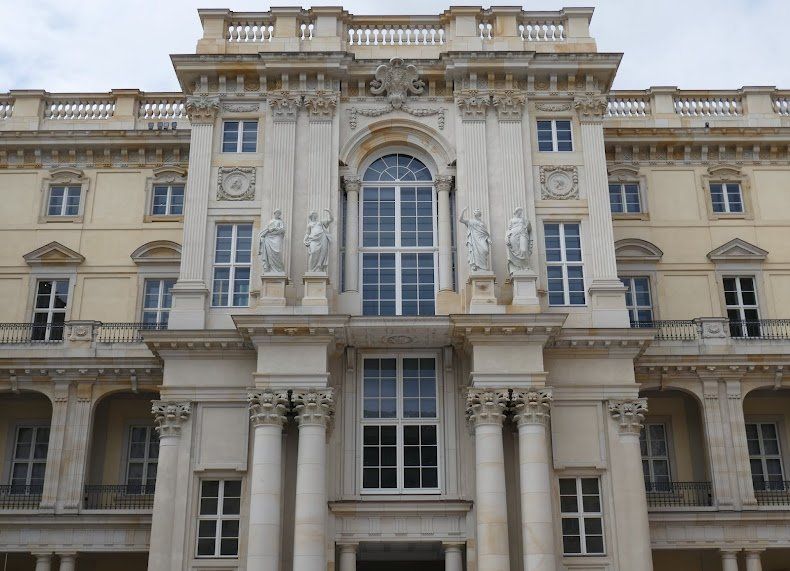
{"x":316,"y":286}
{"x":525,"y":292}
{"x":189,"y":305}
{"x":607,"y":301}
{"x":483,"y":298}
{"x":273,"y":290}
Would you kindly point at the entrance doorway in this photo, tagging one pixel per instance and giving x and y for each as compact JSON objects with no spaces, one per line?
{"x":398,"y":556}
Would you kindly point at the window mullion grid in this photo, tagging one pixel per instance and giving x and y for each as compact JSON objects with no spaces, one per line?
{"x":580,"y":516}
{"x":240,"y":137}
{"x":398,"y":263}
{"x":169,"y":200}
{"x":555,"y":145}
{"x":566,"y":288}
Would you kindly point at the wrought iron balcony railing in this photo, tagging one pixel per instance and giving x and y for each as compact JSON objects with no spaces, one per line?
{"x":678,"y":494}
{"x":119,"y":497}
{"x":31,"y":333}
{"x":672,"y":329}
{"x":17,"y":496}
{"x":75,"y":331}
{"x":772,"y":493}
{"x":121,"y":332}
{"x":768,"y":329}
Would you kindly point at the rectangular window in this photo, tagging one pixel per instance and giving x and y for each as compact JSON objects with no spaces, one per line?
{"x":218,"y":519}
{"x":29,"y":461}
{"x":765,"y":457}
{"x":49,"y":313}
{"x":555,"y":135}
{"x":400,"y":446}
{"x":157,"y":300}
{"x":655,"y":456}
{"x":239,"y":136}
{"x":565,"y":269}
{"x":582,"y":517}
{"x":232,"y":265}
{"x":726,"y":197}
{"x":637,"y":300}
{"x":624,"y":198}
{"x":740,"y":296}
{"x":64,"y":200}
{"x":142,"y":460}
{"x":168,"y":200}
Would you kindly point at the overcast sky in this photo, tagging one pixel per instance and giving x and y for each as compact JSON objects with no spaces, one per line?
{"x":97,"y":45}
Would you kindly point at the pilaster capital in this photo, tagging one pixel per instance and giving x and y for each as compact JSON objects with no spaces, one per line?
{"x":509,"y":104}
{"x":170,"y":416}
{"x":268,"y":407}
{"x":443,"y":183}
{"x":348,"y":547}
{"x":352,"y":183}
{"x":591,"y":108}
{"x":531,"y":406}
{"x":630,"y":414}
{"x":486,"y":406}
{"x":202,"y":109}
{"x":284,"y":105}
{"x":473,"y":104}
{"x":313,"y":406}
{"x":321,"y":105}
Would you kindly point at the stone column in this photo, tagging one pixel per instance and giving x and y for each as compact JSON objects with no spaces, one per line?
{"x":537,"y":523}
{"x":743,"y":470}
{"x":57,"y":431}
{"x":169,"y":418}
{"x":190,"y":292}
{"x":606,"y":291}
{"x":313,"y":410}
{"x":716,"y":445}
{"x":267,"y":415}
{"x":351,"y":223}
{"x":630,"y":501}
{"x":68,"y":561}
{"x":348,"y":556}
{"x":75,"y":447}
{"x":453,"y":557}
{"x":444,"y":185}
{"x":753,"y":562}
{"x":486,"y":412}
{"x":43,"y":561}
{"x":729,"y":560}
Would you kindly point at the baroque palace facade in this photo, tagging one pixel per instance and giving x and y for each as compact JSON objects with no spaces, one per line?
{"x":402,"y":291}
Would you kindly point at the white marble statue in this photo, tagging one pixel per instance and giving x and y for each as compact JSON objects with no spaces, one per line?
{"x":317,"y":240}
{"x":478,"y":241}
{"x":270,"y":245}
{"x":518,"y":240}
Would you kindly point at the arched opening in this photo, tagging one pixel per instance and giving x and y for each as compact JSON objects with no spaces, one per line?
{"x":124,"y":453}
{"x":398,"y":237}
{"x":766,"y":413}
{"x":674,"y":457}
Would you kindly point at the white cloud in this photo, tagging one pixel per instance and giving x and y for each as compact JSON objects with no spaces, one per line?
{"x":96,"y":45}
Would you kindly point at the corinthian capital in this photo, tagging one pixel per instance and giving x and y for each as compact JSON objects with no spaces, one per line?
{"x":591,"y":108}
{"x":313,"y":406}
{"x":473,"y":104}
{"x":268,"y":407}
{"x":284,"y":105}
{"x":443,"y":183}
{"x":202,"y":108}
{"x":352,"y":183}
{"x":486,"y":406}
{"x":170,"y":416}
{"x":509,"y":104}
{"x":531,"y":406}
{"x":630,"y":414}
{"x":321,"y":105}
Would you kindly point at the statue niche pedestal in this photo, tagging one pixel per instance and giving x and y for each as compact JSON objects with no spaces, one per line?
{"x":483,"y":299}
{"x":525,"y":292}
{"x":316,"y":286}
{"x":273,"y":290}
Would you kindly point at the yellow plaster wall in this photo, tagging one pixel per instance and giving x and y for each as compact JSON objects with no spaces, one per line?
{"x":19,"y":409}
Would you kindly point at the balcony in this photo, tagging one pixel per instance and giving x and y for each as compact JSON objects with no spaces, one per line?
{"x":672,"y":329}
{"x":709,"y":328}
{"x":119,"y":497}
{"x":772,"y":493}
{"x":75,"y":332}
{"x":678,"y":494}
{"x":766,"y":329}
{"x":20,"y":497}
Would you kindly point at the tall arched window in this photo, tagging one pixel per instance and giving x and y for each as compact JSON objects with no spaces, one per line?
{"x":399,"y":253}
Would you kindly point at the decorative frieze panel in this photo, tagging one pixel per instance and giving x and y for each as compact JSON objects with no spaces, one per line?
{"x":559,"y":183}
{"x":236,"y":183}
{"x":241,"y":107}
{"x":553,"y":107}
{"x":413,"y":520}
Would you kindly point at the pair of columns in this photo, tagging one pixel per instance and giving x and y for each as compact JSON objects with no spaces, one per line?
{"x":68,"y":561}
{"x":486,"y":411}
{"x":268,"y":413}
{"x":729,"y":559}
{"x":453,"y":556}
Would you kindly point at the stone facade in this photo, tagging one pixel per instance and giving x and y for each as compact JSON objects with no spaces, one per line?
{"x":620,"y":403}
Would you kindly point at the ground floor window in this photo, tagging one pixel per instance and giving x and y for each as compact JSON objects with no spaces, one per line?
{"x":582,"y":518}
{"x":218,"y":518}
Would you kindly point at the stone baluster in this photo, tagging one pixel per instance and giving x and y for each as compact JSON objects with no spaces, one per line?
{"x":267,"y":415}
{"x":444,"y":185}
{"x":606,"y":290}
{"x":313,"y":411}
{"x":531,"y":413}
{"x":190,"y":292}
{"x":486,"y":413}
{"x":169,"y":417}
{"x":351,"y":256}
{"x":630,"y":500}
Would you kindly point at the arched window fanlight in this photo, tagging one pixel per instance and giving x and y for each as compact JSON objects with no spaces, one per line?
{"x":397,"y":167}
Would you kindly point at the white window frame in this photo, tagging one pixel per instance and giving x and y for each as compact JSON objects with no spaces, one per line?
{"x":147,"y":461}
{"x":31,"y":460}
{"x":634,"y":307}
{"x":580,"y":516}
{"x":399,"y":421}
{"x":239,"y":136}
{"x":169,"y":187}
{"x":650,"y":458}
{"x":564,"y":263}
{"x":159,"y":309}
{"x":68,"y":191}
{"x":50,"y":311}
{"x":741,"y":307}
{"x":232,"y":265}
{"x":219,"y":518}
{"x":725,"y":192}
{"x":763,"y":457}
{"x":554,"y":141}
{"x":621,"y":187}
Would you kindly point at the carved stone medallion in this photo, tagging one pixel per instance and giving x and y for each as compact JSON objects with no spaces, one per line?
{"x":236,"y":183}
{"x":397,"y":80}
{"x":559,"y":183}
